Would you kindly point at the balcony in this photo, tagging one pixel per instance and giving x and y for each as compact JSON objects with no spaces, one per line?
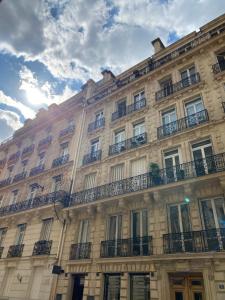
{"x":15,"y":251}
{"x":60,"y":161}
{"x":194,"y":241}
{"x":139,"y":246}
{"x":56,"y":197}
{"x":19,"y":176}
{"x":28,"y":150}
{"x":193,"y":169}
{"x":183,"y":124}
{"x":178,"y":86}
{"x":1,"y":251}
{"x":92,"y":157}
{"x":129,"y":109}
{"x":5,"y":182}
{"x":80,"y":251}
{"x":37,"y":170}
{"x":218,"y":68}
{"x":42,"y":248}
{"x":67,"y":131}
{"x":131,"y":143}
{"x":96,"y":124}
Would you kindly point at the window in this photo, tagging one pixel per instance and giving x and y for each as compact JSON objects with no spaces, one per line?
{"x":138,"y":129}
{"x":138,"y":166}
{"x":10,"y":171}
{"x":1,"y":200}
{"x":46,"y":229}
{"x":112,"y":287}
{"x":119,"y":136}
{"x":14,"y":197}
{"x":20,"y":234}
{"x":24,"y":165}
{"x":121,"y":108}
{"x":95,"y":146}
{"x":203,"y":158}
{"x":188,"y":76}
{"x":33,"y":191}
{"x":167,"y":86}
{"x":2,"y":235}
{"x":194,"y":107}
{"x":64,"y":149}
{"x":117,"y":172}
{"x":119,"y":141}
{"x":139,"y":223}
{"x":139,"y":96}
{"x":172,"y":165}
{"x":98,"y":117}
{"x":139,"y":287}
{"x":57,"y":183}
{"x":221,"y":60}
{"x":41,"y":159}
{"x":83,"y":236}
{"x":114,"y":227}
{"x":213,"y":213}
{"x":89,"y":181}
{"x":179,"y":219}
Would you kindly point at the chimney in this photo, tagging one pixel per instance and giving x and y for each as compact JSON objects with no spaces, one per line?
{"x":158,"y":45}
{"x":107,"y":75}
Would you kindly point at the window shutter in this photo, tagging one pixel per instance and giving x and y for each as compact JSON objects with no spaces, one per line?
{"x":138,"y":166}
{"x":89,"y":181}
{"x":117,"y":172}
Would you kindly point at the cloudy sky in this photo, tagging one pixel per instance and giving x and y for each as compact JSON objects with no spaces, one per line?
{"x":49,"y":48}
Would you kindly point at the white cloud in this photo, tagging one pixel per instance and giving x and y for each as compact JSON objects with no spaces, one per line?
{"x":77,"y":43}
{"x":11,"y":118}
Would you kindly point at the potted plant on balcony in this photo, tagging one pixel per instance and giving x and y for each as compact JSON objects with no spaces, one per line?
{"x":154,"y":173}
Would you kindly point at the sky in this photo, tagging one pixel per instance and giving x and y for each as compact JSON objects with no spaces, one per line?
{"x":50,"y":48}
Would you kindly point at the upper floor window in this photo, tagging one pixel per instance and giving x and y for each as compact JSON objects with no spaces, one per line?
{"x":95,"y":146}
{"x":167,"y":86}
{"x":119,"y":136}
{"x":179,"y":218}
{"x":24,"y":165}
{"x":169,"y":116}
{"x":21,"y":228}
{"x":172,"y":165}
{"x":89,"y":181}
{"x":46,"y":229}
{"x":117,"y":172}
{"x":114,"y":225}
{"x":139,"y":96}
{"x":194,"y":107}
{"x":2,"y":235}
{"x":221,"y":60}
{"x":10,"y":171}
{"x":57,"y":183}
{"x":83,"y":236}
{"x":41,"y":159}
{"x":32,"y":191}
{"x":189,"y":72}
{"x":14,"y":197}
{"x":121,"y":108}
{"x":213,"y":213}
{"x":138,"y":129}
{"x":138,"y":166}
{"x":202,"y":154}
{"x":64,"y":149}
{"x":139,"y":223}
{"x":99,"y":116}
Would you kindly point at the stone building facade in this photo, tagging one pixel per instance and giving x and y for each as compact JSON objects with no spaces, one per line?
{"x":137,"y":211}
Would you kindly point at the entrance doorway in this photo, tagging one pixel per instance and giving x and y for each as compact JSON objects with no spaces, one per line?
{"x":78,"y":286}
{"x":186,"y":286}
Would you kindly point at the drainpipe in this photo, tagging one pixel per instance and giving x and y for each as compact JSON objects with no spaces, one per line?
{"x":64,"y":226}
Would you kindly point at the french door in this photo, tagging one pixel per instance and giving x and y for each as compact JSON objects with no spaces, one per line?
{"x":121,"y":108}
{"x":94,"y":148}
{"x":193,"y":112}
{"x":213,"y":215}
{"x":203,"y":158}
{"x":167,"y":87}
{"x":169,"y":119}
{"x":180,"y":227}
{"x":120,"y":140}
{"x":172,"y":165}
{"x":114,"y":235}
{"x":188,"y":76}
{"x":139,"y":230}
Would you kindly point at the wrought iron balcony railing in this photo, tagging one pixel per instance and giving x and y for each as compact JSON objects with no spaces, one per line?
{"x":92,"y":157}
{"x":129,"y":109}
{"x":15,"y":250}
{"x":219,"y":67}
{"x":42,"y":248}
{"x":1,"y":251}
{"x":19,"y":176}
{"x":178,"y":86}
{"x":60,"y":161}
{"x":194,"y":241}
{"x":37,"y":170}
{"x":182,"y":124}
{"x":5,"y":182}
{"x":138,"y":246}
{"x":67,"y":131}
{"x":201,"y":167}
{"x":28,"y":150}
{"x":153,"y":64}
{"x":80,"y":251}
{"x":56,"y":197}
{"x":131,"y":143}
{"x":96,"y":124}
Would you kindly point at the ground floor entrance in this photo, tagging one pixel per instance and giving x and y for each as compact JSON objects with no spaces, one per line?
{"x":78,"y":286}
{"x":186,"y":286}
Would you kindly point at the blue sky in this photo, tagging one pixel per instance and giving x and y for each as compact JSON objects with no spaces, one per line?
{"x":49,"y":48}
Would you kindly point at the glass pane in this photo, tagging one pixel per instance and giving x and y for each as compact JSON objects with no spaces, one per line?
{"x":112,"y":228}
{"x":185,"y":218}
{"x":174,"y":219}
{"x":136,"y":224}
{"x":179,"y":296}
{"x":144,"y":223}
{"x":198,"y":296}
{"x":219,"y":204}
{"x":208,"y":216}
{"x":140,"y":287}
{"x":112,"y":287}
